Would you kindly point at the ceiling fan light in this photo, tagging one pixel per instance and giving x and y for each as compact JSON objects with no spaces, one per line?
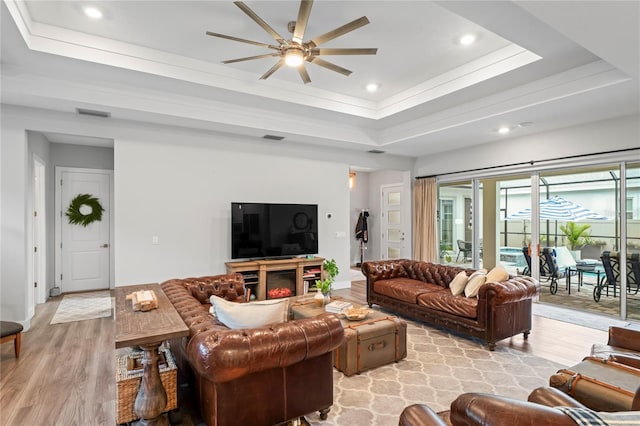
{"x":293,"y":58}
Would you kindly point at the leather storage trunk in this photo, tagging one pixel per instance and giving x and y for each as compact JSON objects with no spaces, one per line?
{"x":600,"y":384}
{"x":371,"y":343}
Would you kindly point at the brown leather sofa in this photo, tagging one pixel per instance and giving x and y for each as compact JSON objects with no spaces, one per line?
{"x":493,"y":410}
{"x":420,"y":290}
{"x":258,"y":376}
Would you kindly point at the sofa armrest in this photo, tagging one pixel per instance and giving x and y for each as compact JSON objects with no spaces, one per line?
{"x":223,"y":355}
{"x":384,"y":269}
{"x":552,"y":397}
{"x":420,"y":415}
{"x":515,"y":289}
{"x":487,"y":410}
{"x":624,"y":338}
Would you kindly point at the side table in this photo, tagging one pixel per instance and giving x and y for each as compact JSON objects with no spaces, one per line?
{"x":148,"y":330}
{"x":377,"y":340}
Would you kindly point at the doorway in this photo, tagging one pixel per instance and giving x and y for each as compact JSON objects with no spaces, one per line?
{"x":84,"y":258}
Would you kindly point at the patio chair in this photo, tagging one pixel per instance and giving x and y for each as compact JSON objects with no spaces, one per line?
{"x":548,"y":266}
{"x":464,"y":248}
{"x":611,"y":265}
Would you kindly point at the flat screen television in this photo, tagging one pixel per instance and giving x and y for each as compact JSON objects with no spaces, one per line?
{"x":268,"y":230}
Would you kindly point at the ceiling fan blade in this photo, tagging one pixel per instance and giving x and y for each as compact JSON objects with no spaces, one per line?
{"x":273,"y":69}
{"x":304,"y":74}
{"x":329,"y":65}
{"x":260,"y":22}
{"x":360,"y":22}
{"x":242,"y":40}
{"x":249,"y":58}
{"x":301,"y":22}
{"x":347,"y":51}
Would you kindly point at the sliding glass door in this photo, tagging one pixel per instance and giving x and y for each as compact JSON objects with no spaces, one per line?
{"x":458,"y":243}
{"x":581,"y":239}
{"x":631,"y":216}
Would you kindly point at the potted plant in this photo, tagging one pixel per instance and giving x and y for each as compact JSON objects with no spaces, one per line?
{"x":324,"y":286}
{"x":445,"y":251}
{"x":576,"y":236}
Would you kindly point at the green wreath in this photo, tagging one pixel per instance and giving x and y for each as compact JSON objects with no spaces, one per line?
{"x":84,"y":209}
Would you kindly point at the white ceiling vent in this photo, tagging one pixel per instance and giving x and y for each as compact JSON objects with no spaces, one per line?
{"x":93,"y":112}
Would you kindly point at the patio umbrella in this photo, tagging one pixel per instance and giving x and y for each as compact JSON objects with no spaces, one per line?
{"x":557,"y":208}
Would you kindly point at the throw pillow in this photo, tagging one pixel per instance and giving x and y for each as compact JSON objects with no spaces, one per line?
{"x":249,"y":315}
{"x":476,"y":280}
{"x":497,"y":274}
{"x":458,"y":283}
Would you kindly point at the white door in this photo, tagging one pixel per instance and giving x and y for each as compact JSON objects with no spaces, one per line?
{"x":85,"y":250}
{"x":392,"y":224}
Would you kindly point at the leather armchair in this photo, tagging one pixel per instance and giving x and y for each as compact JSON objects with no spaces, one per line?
{"x":258,"y":376}
{"x":494,"y":410}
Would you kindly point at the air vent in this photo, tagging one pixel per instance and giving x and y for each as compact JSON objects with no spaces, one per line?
{"x":375,"y":151}
{"x":93,"y":112}
{"x":273,"y":137}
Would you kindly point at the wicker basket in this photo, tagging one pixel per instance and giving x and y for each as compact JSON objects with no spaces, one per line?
{"x":128,"y":383}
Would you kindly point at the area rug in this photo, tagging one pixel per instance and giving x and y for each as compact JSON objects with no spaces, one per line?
{"x":83,"y":306}
{"x":438,"y":368}
{"x":572,"y":316}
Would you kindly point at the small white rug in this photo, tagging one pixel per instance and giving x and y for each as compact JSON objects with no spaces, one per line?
{"x":83,"y":306}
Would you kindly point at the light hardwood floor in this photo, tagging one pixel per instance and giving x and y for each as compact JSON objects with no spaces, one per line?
{"x":66,"y":376}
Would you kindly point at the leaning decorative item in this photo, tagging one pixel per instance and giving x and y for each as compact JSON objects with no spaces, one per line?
{"x":84,"y":209}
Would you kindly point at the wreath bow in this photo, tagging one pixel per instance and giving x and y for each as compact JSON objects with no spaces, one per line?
{"x":84,"y":210}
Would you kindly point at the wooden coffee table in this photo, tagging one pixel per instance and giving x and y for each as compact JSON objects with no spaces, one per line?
{"x":377,"y":340}
{"x":148,"y":330}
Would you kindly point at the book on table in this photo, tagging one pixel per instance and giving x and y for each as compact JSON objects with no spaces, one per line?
{"x":337,"y":306}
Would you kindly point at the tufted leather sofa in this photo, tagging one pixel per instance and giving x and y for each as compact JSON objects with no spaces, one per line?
{"x":420,"y":290}
{"x":258,"y":376}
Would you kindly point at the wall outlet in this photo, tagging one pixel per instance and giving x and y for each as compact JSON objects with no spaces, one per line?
{"x":341,"y":234}
{"x":155,"y":240}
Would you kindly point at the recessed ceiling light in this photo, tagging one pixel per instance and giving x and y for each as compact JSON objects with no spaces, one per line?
{"x":504,"y":130}
{"x":372,"y":87}
{"x":525,"y":124}
{"x":93,"y":12}
{"x":467,"y":39}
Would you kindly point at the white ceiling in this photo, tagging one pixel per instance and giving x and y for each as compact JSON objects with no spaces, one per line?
{"x":553,"y":64}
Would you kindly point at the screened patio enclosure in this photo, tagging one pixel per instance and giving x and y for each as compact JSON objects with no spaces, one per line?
{"x":612,"y":191}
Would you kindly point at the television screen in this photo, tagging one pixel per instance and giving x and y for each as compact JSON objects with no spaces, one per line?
{"x":261,"y":230}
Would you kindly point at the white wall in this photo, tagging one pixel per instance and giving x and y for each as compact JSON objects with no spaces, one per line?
{"x":601,"y":136}
{"x":296,"y":179}
{"x":14,"y":161}
{"x":182,"y":194}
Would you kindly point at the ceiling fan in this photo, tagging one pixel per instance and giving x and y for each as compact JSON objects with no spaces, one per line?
{"x":294,"y":52}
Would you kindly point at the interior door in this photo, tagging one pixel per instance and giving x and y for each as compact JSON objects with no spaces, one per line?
{"x":393,"y":227}
{"x":85,"y":250}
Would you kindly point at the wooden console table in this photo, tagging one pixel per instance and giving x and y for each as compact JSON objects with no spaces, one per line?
{"x":148,"y":330}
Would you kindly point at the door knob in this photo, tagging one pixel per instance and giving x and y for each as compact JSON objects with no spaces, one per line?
{"x":104,"y":245}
